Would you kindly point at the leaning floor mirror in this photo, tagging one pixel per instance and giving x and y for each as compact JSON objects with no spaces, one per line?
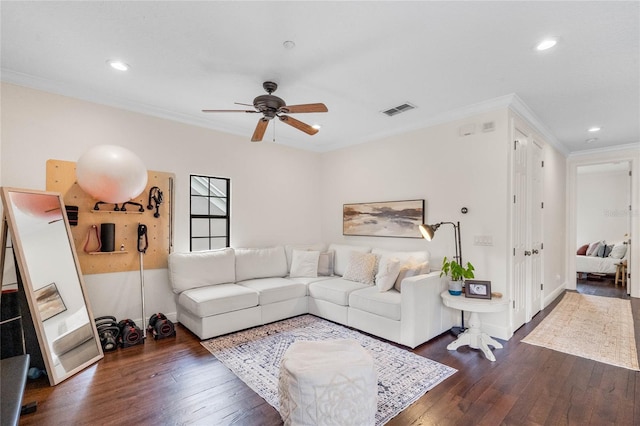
{"x":50,"y":275}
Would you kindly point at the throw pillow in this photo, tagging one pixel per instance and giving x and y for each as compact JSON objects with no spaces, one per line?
{"x":593,"y":248}
{"x":388,"y":270}
{"x":618,"y":251}
{"x":582,"y":251}
{"x":304,"y":263}
{"x":601,"y":249}
{"x":325,"y":264}
{"x":410,"y":270}
{"x":607,"y":250}
{"x":361,"y":267}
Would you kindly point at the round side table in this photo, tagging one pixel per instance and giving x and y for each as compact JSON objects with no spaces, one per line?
{"x":474,"y":337}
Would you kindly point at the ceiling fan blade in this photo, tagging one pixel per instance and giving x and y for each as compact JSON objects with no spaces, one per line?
{"x":229,"y":110}
{"x":240,"y":103}
{"x":295,"y":109}
{"x":298,"y":124}
{"x":258,"y":134}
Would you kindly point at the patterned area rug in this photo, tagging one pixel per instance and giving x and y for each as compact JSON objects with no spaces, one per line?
{"x":593,"y":327}
{"x":254,"y":356}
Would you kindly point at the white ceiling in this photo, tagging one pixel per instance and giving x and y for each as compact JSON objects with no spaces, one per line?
{"x":359,"y":58}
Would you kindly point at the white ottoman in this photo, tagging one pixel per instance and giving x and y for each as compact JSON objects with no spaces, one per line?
{"x":331,"y":382}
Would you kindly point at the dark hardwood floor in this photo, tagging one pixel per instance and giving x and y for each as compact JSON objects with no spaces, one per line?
{"x":176,"y":381}
{"x":601,"y":286}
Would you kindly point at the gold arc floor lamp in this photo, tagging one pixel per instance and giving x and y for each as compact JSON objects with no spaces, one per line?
{"x":428,"y":231}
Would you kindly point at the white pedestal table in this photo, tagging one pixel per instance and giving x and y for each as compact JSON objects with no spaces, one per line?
{"x":474,"y":337}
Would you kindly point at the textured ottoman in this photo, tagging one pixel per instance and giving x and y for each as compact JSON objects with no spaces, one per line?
{"x":331,"y":382}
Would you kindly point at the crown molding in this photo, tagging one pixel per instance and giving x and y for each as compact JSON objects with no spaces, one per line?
{"x":510,"y":101}
{"x":632,"y":147}
{"x":518,"y":106}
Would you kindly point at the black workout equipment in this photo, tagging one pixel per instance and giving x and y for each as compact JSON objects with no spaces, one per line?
{"x":108,"y":332}
{"x":130,"y":333}
{"x":155,"y":196}
{"x":108,"y":237}
{"x":160,"y":326}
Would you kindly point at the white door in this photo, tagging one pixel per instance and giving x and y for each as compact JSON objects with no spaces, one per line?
{"x":535,"y":244}
{"x":519,"y":231}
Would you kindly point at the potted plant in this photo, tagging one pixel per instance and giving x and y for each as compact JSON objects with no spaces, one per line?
{"x":457,"y":273}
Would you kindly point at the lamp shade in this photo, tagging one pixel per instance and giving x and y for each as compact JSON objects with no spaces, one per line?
{"x":111,"y":173}
{"x":427,"y":231}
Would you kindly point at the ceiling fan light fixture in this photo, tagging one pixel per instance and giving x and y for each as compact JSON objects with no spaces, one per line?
{"x":118,"y":65}
{"x":271,"y":106}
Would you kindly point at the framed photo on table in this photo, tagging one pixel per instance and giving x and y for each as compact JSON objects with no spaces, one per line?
{"x":477,"y":289}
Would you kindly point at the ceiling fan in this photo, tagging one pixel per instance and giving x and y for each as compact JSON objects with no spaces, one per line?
{"x":272,"y":106}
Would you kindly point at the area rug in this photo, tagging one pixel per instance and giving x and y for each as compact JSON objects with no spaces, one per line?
{"x":254,"y":356}
{"x":593,"y":327}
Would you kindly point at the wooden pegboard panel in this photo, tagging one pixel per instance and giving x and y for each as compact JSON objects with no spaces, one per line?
{"x":61,"y":177}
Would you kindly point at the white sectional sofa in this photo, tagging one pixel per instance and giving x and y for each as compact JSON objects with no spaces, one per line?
{"x":227,"y":290}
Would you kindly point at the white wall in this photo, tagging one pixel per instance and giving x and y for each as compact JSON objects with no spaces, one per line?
{"x":275,"y":188}
{"x":448,"y":171}
{"x":602,"y":206}
{"x":282,"y":195}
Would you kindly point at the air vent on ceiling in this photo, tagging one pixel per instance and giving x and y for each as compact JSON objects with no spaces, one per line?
{"x":400,"y":108}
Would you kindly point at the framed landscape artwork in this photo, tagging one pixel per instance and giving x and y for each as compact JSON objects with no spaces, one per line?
{"x":384,"y":219}
{"x":49,"y":301}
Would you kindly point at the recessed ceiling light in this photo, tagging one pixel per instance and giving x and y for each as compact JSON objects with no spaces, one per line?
{"x":591,"y":140}
{"x":118,"y":65}
{"x":594,"y":129}
{"x":547,"y":43}
{"x":317,"y":126}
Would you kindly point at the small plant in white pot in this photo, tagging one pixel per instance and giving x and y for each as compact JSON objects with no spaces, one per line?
{"x":457,"y":274}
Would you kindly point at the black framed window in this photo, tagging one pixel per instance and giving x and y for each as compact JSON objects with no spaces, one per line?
{"x":209,"y":207}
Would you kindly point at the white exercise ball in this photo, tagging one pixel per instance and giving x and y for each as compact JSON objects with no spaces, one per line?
{"x":111,"y":173}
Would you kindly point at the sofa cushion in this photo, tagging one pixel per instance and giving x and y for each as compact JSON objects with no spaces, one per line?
{"x":342,"y":254}
{"x":218,"y":299}
{"x":404,"y":256}
{"x":260,"y":263}
{"x":362,"y":268}
{"x":276,"y":289}
{"x":325,"y":264}
{"x":201,"y":268}
{"x":304,"y":263}
{"x":289,"y":248}
{"x":334,"y":290}
{"x":410,"y":270}
{"x":308,"y":280}
{"x":388,"y":270}
{"x":386,"y":304}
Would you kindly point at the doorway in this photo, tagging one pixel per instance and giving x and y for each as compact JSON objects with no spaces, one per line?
{"x":602,"y":220}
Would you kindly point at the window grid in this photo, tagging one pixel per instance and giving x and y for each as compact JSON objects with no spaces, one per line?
{"x":215,"y":193}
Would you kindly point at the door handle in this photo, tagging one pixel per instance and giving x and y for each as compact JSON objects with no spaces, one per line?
{"x":527,"y":253}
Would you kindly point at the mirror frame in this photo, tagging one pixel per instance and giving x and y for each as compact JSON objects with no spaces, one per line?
{"x":25,"y":277}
